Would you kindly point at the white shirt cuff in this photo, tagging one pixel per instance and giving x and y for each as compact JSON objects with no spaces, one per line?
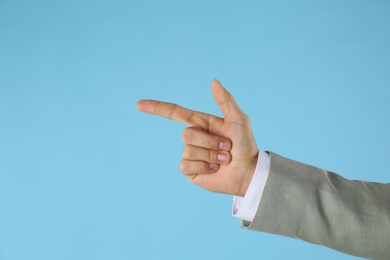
{"x":245,"y":208}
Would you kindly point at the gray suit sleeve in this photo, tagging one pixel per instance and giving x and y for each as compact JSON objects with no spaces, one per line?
{"x":323,"y":208}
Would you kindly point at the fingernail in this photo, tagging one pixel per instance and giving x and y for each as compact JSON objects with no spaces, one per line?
{"x":214,"y":166}
{"x":224,"y":145}
{"x":222,"y":157}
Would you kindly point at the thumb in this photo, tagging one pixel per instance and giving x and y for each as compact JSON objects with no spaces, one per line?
{"x":226,"y":102}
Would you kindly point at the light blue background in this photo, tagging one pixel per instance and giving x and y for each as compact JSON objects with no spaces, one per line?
{"x":83,"y":175}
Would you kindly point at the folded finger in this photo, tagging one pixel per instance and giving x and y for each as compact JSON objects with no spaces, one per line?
{"x":198,"y":137}
{"x":195,"y":153}
{"x":189,"y":167}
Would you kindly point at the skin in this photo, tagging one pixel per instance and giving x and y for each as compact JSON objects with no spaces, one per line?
{"x":219,"y":154}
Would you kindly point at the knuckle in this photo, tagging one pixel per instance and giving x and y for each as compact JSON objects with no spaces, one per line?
{"x":203,"y":167}
{"x":211,"y":156}
{"x":188,"y":134}
{"x":210,"y":143}
{"x":245,"y":119}
{"x":183,"y":166}
{"x":186,"y":153}
{"x":213,"y":143}
{"x":171,"y":110}
{"x":185,"y":135}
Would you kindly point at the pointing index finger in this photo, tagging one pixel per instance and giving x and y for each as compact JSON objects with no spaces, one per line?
{"x":174,"y":112}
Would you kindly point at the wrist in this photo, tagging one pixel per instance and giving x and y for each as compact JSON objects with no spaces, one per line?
{"x":248,"y":175}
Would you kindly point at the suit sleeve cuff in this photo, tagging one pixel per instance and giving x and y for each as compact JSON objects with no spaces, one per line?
{"x":245,"y":208}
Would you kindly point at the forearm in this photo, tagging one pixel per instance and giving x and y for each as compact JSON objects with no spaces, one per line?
{"x":321,"y":207}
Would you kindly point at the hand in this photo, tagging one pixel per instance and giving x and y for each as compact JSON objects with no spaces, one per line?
{"x":220,"y":154}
